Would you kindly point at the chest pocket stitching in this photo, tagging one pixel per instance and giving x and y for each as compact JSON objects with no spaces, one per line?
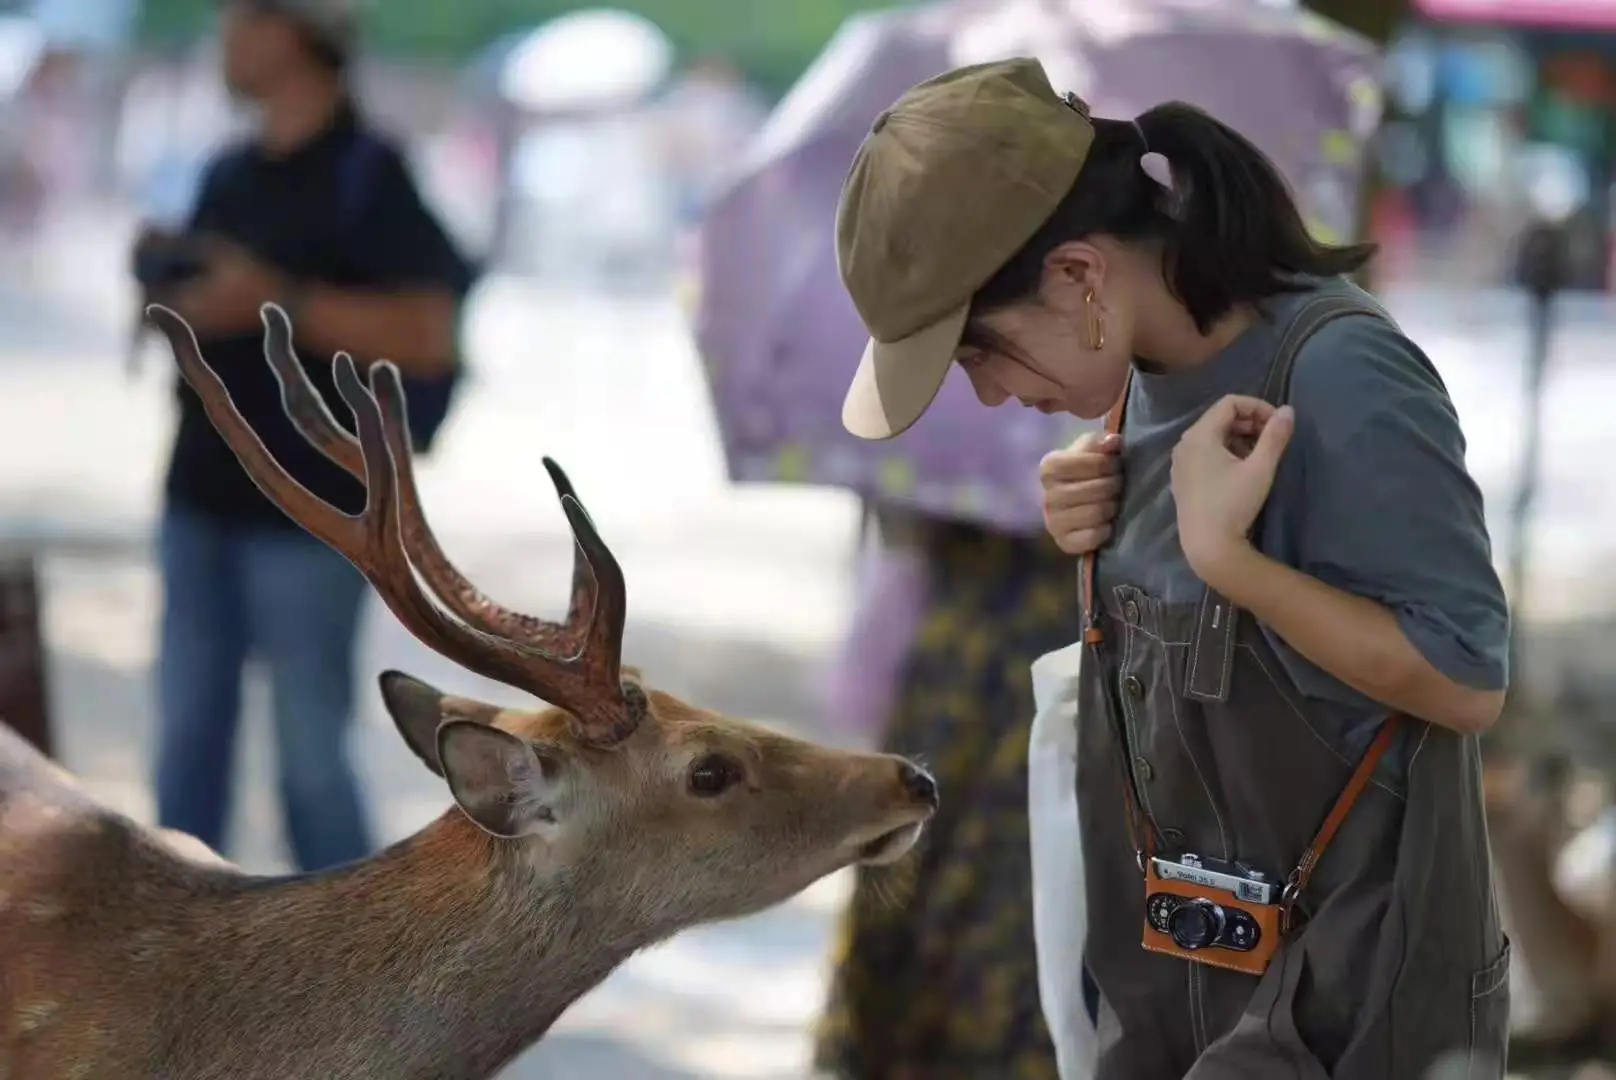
{"x":1126,"y":593}
{"x":1413,"y":756}
{"x":1131,"y":724}
{"x":1195,"y":762}
{"x":1302,"y":716}
{"x":1158,"y":639}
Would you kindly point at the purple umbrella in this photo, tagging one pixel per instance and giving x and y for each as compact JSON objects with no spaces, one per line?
{"x":780,"y":338}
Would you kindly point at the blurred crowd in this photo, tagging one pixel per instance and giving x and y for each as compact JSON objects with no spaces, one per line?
{"x":604,"y":188}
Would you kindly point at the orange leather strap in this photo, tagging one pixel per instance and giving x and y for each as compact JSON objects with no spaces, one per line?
{"x":1297,"y":882}
{"x":1092,"y":634}
{"x":1139,"y":830}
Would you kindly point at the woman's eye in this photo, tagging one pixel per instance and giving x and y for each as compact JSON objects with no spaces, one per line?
{"x":713,"y":775}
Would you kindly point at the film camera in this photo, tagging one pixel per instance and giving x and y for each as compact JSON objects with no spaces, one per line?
{"x":162,"y":262}
{"x":1212,"y":912}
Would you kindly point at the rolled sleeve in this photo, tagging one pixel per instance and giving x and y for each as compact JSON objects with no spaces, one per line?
{"x":1391,"y":512}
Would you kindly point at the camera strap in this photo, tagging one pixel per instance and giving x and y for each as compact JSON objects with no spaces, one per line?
{"x":1140,"y":830}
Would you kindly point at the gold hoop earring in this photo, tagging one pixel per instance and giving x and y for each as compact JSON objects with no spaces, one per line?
{"x":1096,"y":322}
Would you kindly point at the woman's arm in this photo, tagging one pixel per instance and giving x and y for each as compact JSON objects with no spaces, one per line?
{"x":1357,"y":640}
{"x":1381,"y":576}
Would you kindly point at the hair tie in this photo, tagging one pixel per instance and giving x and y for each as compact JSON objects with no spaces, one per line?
{"x":1153,"y":164}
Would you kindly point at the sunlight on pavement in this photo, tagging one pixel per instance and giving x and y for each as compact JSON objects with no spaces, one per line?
{"x":738,"y":1056}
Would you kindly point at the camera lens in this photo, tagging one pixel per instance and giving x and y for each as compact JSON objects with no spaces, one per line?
{"x":1196,"y":924}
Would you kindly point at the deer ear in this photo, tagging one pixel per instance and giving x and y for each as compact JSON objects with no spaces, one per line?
{"x":417,"y":708}
{"x":499,"y":780}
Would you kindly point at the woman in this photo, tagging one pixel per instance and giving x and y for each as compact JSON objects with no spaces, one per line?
{"x":1297,"y":555}
{"x":936,"y":974}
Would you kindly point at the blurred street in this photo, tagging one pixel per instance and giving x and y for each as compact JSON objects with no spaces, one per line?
{"x":737,"y":596}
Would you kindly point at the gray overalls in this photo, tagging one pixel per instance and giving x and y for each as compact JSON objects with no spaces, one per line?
{"x":1397,"y":959}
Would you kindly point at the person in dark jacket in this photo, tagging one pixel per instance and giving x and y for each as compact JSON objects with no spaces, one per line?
{"x":317,"y":212}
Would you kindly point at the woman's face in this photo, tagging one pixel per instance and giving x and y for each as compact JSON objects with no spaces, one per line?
{"x":1069,"y":349}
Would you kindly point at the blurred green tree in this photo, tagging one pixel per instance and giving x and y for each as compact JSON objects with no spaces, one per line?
{"x":772,"y":43}
{"x":1377,"y":20}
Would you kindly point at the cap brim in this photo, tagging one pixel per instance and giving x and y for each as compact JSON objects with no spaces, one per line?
{"x":898,"y":380}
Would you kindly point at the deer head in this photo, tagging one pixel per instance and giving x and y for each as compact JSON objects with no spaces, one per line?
{"x":691,"y":816}
{"x":696,"y":816}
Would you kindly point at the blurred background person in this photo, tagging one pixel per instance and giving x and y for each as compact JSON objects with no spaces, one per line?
{"x":935,"y":976}
{"x":316,"y":212}
{"x":709,"y":115}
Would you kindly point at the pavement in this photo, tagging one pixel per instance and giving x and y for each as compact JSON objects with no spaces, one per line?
{"x":739,"y":595}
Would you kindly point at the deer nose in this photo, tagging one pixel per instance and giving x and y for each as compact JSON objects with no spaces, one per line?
{"x":918,"y":784}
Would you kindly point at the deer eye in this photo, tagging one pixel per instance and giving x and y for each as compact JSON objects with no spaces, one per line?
{"x":713,"y":775}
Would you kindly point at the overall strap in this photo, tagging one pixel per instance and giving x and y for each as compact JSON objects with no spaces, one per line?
{"x":1091,"y":612}
{"x":1140,"y":833}
{"x":1313,"y":316}
{"x":1212,"y":654}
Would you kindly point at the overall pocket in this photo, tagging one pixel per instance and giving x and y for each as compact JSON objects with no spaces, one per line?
{"x":1489,"y":1019}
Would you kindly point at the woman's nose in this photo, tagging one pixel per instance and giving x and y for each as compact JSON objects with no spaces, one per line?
{"x":988,"y":392}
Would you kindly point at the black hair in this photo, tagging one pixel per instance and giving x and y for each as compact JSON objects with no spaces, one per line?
{"x":331,"y":55}
{"x":1230,"y":230}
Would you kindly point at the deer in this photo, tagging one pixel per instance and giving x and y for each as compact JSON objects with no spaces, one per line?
{"x":577,"y":833}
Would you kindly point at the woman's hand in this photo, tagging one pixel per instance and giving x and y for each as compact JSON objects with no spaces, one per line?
{"x":1081,"y":485}
{"x":1223,"y":468}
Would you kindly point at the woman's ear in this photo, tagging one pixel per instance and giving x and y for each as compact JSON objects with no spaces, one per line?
{"x":1072,"y":271}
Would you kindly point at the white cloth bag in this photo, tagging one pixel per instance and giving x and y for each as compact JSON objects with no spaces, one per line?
{"x":1059,"y":906}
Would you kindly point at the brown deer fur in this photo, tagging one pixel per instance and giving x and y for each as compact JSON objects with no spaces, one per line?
{"x":122,"y":957}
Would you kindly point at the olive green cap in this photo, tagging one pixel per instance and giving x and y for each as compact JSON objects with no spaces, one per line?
{"x":951,"y":182}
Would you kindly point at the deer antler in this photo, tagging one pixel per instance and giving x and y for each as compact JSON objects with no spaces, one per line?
{"x":586,"y":680}
{"x":308,"y":412}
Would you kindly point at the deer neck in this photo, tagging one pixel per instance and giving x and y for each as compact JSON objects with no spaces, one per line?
{"x":449,"y":949}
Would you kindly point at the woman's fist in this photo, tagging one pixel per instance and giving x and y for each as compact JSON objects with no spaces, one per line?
{"x":1081,"y":486}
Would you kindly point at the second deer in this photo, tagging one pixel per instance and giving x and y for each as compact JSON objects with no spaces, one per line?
{"x":580,"y":832}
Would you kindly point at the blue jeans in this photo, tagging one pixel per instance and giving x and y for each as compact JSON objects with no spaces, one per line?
{"x":283,"y":597}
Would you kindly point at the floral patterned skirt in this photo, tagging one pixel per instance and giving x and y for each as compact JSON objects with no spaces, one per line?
{"x":935,"y":974}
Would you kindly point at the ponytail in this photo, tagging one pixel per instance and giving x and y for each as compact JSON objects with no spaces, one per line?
{"x":1228,"y":226}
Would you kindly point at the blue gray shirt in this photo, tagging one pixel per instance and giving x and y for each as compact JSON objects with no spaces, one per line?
{"x":1372,"y":497}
